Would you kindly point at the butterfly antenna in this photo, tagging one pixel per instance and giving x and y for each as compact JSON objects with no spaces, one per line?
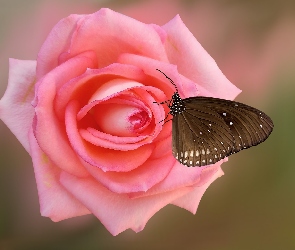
{"x":169,"y":79}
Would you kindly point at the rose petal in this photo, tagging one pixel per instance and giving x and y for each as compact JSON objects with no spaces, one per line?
{"x":163,"y":146}
{"x":161,"y":32}
{"x":113,"y":87}
{"x":57,"y":42}
{"x":105,"y":32}
{"x":55,"y":201}
{"x":123,"y":213}
{"x":111,"y":141}
{"x":191,"y":200}
{"x":194,"y":62}
{"x":48,"y":128}
{"x":15,"y":106}
{"x":141,"y":179}
{"x":150,"y":67}
{"x":189,"y":177}
{"x":75,"y":67}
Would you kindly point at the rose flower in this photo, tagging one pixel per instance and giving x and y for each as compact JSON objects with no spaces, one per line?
{"x":85,"y":111}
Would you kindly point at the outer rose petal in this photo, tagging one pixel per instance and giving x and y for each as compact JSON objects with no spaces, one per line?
{"x":194,"y":62}
{"x":15,"y":106}
{"x":140,"y":179}
{"x":55,"y":201}
{"x":117,"y":212}
{"x":189,"y":177}
{"x":105,"y":32}
{"x":191,"y":200}
{"x":57,"y":41}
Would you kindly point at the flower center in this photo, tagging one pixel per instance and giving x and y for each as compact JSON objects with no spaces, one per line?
{"x":121,"y":119}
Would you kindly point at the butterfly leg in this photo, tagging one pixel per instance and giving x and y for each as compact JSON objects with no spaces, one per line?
{"x":165,"y":119}
{"x":165,"y":102}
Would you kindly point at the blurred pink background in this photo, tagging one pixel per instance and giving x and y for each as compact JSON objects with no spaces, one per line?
{"x":251,"y":207}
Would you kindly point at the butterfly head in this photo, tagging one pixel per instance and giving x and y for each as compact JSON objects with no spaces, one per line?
{"x":177,"y":105}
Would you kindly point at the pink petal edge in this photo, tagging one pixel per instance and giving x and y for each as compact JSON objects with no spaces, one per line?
{"x":55,"y":44}
{"x":140,"y":179}
{"x":194,"y":62}
{"x":105,"y":32}
{"x":191,"y":200}
{"x":16,"y":110}
{"x":189,"y":177}
{"x":123,"y":213}
{"x":55,"y":201}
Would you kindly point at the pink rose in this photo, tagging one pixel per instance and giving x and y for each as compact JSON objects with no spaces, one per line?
{"x":84,"y":111}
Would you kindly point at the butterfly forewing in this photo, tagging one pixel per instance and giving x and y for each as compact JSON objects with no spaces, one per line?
{"x":248,"y":125}
{"x":210,"y":129}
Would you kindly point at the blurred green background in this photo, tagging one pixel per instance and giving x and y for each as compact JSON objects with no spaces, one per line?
{"x":251,"y":207}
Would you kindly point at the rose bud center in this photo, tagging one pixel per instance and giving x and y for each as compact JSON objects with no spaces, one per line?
{"x":121,"y":120}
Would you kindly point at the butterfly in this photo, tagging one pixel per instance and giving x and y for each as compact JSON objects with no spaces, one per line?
{"x":206,"y":129}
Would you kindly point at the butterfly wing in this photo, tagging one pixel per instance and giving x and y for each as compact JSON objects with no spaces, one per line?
{"x":211,"y":129}
{"x":249,"y":126}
